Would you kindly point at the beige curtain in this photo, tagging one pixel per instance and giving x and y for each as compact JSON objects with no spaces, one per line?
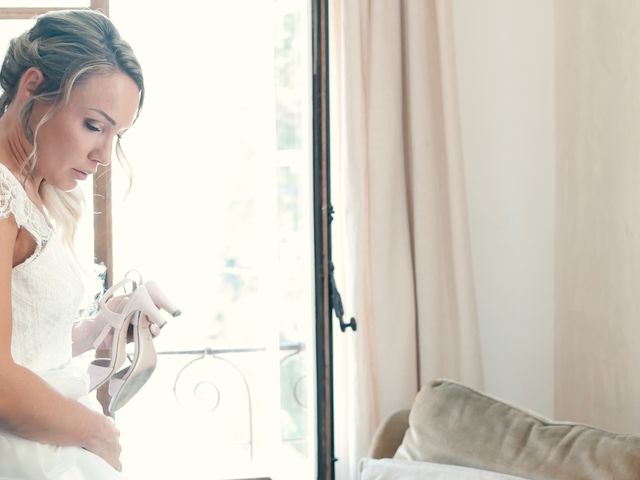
{"x":598,"y":213}
{"x":401,"y":229}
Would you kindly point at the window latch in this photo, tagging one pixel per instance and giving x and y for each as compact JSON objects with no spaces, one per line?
{"x":336,"y":303}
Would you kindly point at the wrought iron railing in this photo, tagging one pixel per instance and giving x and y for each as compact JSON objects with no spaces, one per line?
{"x":291,"y":350}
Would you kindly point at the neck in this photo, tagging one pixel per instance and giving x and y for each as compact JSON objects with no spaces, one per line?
{"x":15,"y":149}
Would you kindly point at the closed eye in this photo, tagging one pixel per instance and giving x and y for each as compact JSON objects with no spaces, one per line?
{"x":92,"y":127}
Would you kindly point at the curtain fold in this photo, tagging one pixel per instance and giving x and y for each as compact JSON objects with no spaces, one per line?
{"x":401,"y":234}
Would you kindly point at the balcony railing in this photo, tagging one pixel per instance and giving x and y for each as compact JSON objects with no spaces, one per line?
{"x":289,"y":350}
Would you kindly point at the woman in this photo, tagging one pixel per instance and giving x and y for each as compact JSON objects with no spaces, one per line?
{"x":71,"y":87}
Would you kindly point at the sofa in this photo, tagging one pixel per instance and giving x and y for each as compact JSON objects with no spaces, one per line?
{"x":455,"y":432}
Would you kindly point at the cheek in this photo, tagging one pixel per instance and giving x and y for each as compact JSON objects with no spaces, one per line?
{"x":49,"y":135}
{"x":58,"y":140}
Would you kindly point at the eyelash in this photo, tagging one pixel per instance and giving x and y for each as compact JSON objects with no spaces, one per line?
{"x":92,"y":127}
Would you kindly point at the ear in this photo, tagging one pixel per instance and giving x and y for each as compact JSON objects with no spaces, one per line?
{"x":30,"y":81}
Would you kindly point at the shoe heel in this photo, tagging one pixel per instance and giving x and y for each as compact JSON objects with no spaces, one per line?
{"x":142,"y":302}
{"x":161,"y":300}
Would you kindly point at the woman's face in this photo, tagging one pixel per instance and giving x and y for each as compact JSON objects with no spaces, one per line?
{"x":79,"y":137}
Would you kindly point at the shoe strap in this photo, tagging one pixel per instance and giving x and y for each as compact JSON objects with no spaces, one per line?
{"x":113,"y":319}
{"x":114,"y":288}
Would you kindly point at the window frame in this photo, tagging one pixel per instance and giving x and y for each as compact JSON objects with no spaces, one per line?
{"x":322,"y":212}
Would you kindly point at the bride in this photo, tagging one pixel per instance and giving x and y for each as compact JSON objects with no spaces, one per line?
{"x":71,"y":86}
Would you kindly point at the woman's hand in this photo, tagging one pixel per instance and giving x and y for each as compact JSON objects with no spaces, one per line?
{"x":104,"y":441}
{"x":86,"y":332}
{"x":100,"y":322}
{"x":117,"y":304}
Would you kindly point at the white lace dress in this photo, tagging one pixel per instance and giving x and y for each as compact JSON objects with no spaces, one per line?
{"x":46,"y":293}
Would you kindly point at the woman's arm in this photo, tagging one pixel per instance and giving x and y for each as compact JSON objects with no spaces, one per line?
{"x":29,"y":407}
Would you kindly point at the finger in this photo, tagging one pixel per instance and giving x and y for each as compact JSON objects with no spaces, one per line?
{"x":154,"y":329}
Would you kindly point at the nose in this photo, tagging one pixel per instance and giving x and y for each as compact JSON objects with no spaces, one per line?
{"x":102,"y":154}
{"x":105,"y":159}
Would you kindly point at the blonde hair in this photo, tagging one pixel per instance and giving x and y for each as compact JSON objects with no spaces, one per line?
{"x":68,"y":47}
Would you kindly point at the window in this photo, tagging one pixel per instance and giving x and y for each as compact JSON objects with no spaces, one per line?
{"x":220,"y":215}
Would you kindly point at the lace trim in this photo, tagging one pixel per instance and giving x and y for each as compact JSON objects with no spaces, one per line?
{"x":14,"y":200}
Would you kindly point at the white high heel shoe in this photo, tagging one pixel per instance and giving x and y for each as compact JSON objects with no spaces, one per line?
{"x":101,"y":369}
{"x":127,"y":382}
{"x":140,"y":302}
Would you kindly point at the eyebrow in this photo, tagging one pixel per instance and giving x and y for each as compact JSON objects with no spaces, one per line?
{"x":111,"y":120}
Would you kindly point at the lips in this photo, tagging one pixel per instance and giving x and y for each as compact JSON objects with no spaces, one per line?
{"x":80,"y":174}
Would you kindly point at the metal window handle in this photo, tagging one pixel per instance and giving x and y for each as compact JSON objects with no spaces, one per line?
{"x":336,"y":302}
{"x":352,"y":324}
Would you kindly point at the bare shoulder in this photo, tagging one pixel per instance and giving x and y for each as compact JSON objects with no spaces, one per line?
{"x":8,"y":234}
{"x":8,"y":237}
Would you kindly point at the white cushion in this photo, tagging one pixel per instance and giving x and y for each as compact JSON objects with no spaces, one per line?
{"x":392,"y":469}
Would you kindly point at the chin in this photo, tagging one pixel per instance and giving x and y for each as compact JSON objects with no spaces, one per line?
{"x":67,"y":186}
{"x":74,"y":186}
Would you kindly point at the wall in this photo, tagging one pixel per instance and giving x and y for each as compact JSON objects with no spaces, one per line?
{"x":505,"y":64}
{"x":598,"y":213}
